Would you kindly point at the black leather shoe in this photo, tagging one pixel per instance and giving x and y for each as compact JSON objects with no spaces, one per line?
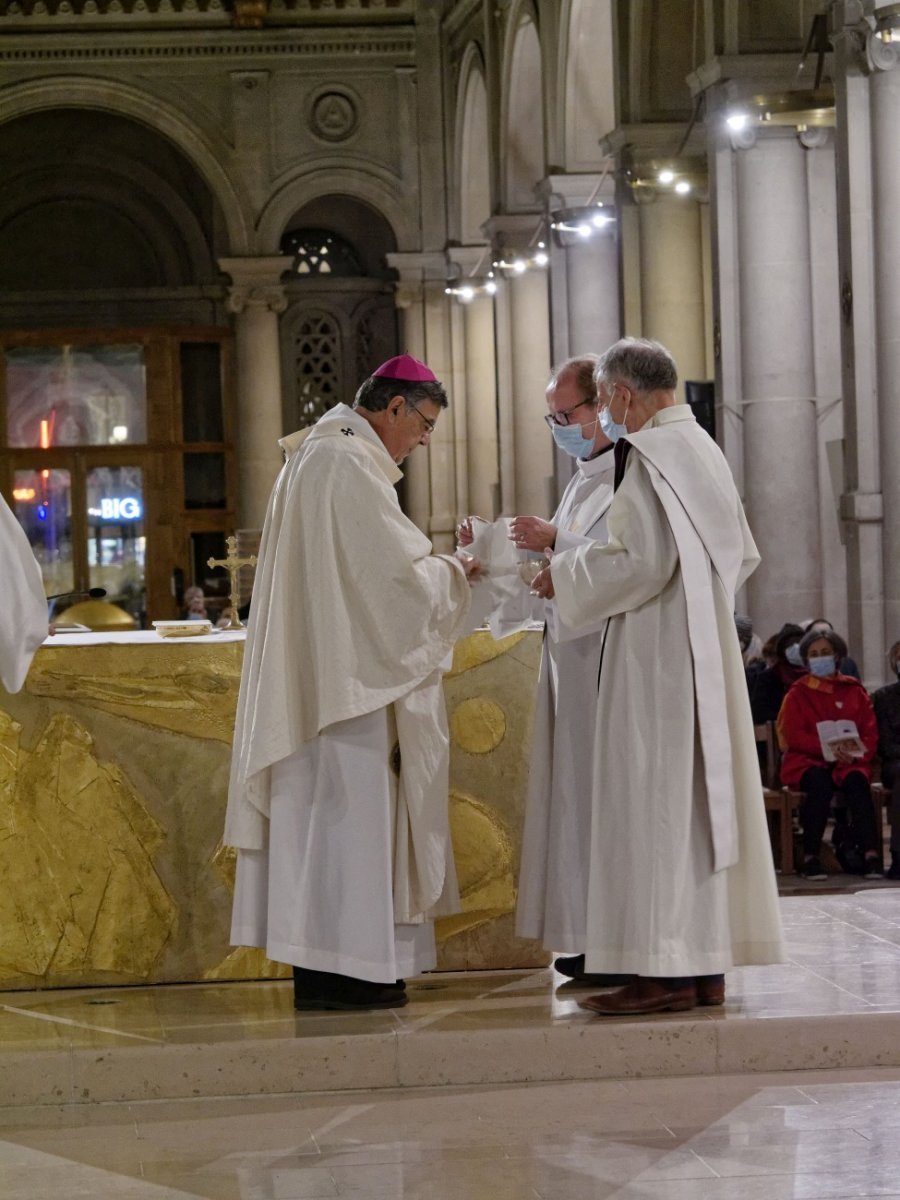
{"x":573,"y":967}
{"x":325,"y":990}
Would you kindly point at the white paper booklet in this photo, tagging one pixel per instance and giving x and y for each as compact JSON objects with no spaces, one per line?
{"x":843,"y":734}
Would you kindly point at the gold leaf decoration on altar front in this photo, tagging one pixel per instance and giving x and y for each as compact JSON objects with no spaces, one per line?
{"x":80,"y":892}
{"x":478,"y":725}
{"x":479,"y":648}
{"x":483,"y":852}
{"x":182,"y":689}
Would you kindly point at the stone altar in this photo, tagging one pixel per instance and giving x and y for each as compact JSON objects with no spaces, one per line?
{"x":113,"y":776}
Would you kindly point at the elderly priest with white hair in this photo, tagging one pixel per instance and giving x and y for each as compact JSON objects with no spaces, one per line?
{"x":23,"y":620}
{"x":681,"y":883}
{"x":338,"y":801}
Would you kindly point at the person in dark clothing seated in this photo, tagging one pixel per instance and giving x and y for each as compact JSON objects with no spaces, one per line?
{"x":769,"y":687}
{"x":822,"y":625}
{"x":819,"y":767}
{"x":886,"y":702}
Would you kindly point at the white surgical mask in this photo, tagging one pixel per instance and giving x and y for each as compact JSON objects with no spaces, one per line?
{"x":572,"y":440}
{"x":612,"y":429}
{"x":793,"y":655}
{"x":822,"y":667}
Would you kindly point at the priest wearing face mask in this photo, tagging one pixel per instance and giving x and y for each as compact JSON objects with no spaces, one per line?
{"x":826,"y":695}
{"x":553,"y":875}
{"x":681,"y":885}
{"x":339,"y":782}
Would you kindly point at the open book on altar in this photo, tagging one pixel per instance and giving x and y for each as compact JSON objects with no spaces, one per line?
{"x":840,"y":735}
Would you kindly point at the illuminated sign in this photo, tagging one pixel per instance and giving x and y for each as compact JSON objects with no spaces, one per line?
{"x":120,"y":508}
{"x":23,"y":493}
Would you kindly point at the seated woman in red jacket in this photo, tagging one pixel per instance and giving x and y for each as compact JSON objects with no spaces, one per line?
{"x":826,"y":695}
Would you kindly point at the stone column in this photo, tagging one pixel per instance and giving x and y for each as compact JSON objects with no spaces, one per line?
{"x":475,"y":369}
{"x":431,"y":474}
{"x":584,"y":290}
{"x":778,"y":377}
{"x":862,"y":278}
{"x":826,"y":314}
{"x":523,"y":368}
{"x":672,"y":289}
{"x":256,"y":297}
{"x":884,"y":86}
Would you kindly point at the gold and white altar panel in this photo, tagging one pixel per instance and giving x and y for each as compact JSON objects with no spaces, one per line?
{"x":113,"y":776}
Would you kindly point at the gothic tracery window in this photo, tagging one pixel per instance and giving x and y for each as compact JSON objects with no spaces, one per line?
{"x":317,"y":363}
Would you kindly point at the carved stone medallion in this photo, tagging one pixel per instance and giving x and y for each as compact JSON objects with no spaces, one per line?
{"x":333,"y":116}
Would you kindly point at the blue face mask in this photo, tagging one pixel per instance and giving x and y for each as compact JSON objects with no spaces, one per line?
{"x":610,"y":428}
{"x":570,"y":439}
{"x":793,"y":655}
{"x":822,"y":667}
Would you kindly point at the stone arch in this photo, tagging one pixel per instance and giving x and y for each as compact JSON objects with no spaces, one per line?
{"x":157,"y":215}
{"x":204,"y":150}
{"x":378,"y":190}
{"x":522,"y":149}
{"x":473,"y":168}
{"x":586,"y":72}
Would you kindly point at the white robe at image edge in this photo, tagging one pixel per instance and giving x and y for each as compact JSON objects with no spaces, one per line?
{"x":657,"y":905}
{"x":23,"y":611}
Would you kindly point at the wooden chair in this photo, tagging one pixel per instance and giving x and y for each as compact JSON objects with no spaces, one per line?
{"x":784,"y":802}
{"x":779,"y":801}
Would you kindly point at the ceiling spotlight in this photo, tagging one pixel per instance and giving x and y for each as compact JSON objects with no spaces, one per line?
{"x":466,"y":294}
{"x":583,"y":230}
{"x":666,"y":176}
{"x":600,"y":220}
{"x":541,"y":259}
{"x":490,"y":287}
{"x":682,"y":187}
{"x":520,"y":265}
{"x":737,"y":121}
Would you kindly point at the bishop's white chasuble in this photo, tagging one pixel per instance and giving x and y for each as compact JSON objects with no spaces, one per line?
{"x":338,"y":801}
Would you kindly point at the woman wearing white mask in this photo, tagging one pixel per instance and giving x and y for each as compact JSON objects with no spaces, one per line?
{"x":818,"y":767}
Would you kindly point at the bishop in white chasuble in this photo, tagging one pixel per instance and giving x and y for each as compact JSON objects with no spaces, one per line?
{"x":338,"y":801}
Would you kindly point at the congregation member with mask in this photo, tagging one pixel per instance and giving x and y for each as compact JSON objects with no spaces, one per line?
{"x":818,"y":768}
{"x":769,"y":687}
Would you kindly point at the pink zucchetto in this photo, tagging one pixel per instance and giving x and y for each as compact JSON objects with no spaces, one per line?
{"x":404,"y":366}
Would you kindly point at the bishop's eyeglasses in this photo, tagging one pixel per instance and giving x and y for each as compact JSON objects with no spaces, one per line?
{"x":430,"y":425}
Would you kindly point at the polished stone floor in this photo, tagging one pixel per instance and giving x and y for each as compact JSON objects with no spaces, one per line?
{"x":486,"y":1087}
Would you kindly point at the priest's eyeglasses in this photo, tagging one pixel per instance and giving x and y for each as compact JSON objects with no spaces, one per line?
{"x":430,"y":425}
{"x":562,"y":418}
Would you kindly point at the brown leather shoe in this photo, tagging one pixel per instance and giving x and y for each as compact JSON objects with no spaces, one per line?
{"x":645,"y":995}
{"x":710,"y":990}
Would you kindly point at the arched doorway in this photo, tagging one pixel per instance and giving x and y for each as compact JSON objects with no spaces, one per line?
{"x":115,"y":430}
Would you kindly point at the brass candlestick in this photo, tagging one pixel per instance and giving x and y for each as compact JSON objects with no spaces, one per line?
{"x":232,"y":564}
